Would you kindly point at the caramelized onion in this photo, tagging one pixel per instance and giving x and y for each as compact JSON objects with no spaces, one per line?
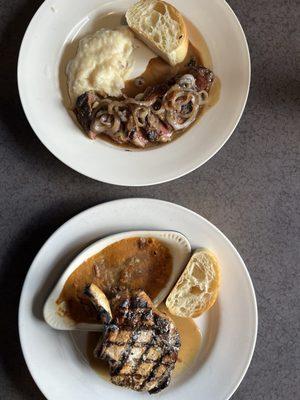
{"x":180,"y":120}
{"x":153,"y":121}
{"x":114,"y":106}
{"x":140,"y":114}
{"x":158,"y":109}
{"x":144,"y":103}
{"x":187,"y":81}
{"x":103,"y":102}
{"x":106,"y":123}
{"x":173,"y":120}
{"x":178,"y":98}
{"x":177,"y":108}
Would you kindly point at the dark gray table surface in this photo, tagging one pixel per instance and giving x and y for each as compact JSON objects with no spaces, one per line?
{"x":249,"y":190}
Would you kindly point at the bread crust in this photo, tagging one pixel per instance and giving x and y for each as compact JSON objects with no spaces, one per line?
{"x":177,"y":55}
{"x":181,"y":51}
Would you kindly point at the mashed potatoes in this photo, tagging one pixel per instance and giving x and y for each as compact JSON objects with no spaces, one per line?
{"x":102,"y":63}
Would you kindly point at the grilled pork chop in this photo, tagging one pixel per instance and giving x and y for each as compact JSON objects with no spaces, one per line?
{"x":140,"y":344}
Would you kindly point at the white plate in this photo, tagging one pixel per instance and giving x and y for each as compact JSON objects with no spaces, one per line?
{"x":48,"y":43}
{"x":57,"y":360}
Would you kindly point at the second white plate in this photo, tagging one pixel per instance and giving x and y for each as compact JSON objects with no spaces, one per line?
{"x":57,"y":360}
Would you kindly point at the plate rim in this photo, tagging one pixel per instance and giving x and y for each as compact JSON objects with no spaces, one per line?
{"x":149,"y":181}
{"x":144,"y":199}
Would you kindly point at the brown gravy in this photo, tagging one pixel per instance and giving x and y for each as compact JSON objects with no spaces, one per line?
{"x":190,"y":337}
{"x":99,"y":366}
{"x":159,"y":71}
{"x":133,"y":263}
{"x":190,"y":344}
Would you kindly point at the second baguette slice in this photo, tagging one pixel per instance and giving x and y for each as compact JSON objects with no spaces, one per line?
{"x":161,"y":27}
{"x":197,"y":288}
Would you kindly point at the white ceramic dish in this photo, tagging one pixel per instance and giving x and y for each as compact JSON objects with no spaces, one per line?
{"x":180,"y":250}
{"x":51,"y":40}
{"x":229,"y":329}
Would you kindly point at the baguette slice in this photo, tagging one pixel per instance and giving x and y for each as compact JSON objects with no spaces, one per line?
{"x":161,"y":27}
{"x":197,"y":288}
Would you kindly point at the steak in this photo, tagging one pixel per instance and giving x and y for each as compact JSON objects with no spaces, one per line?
{"x":140,"y":344}
{"x":84,"y":111}
{"x":152,"y":116}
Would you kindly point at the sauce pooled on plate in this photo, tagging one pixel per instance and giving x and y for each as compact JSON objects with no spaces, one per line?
{"x":134,"y":263}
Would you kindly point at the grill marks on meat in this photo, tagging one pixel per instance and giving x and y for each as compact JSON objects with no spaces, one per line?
{"x":151,"y":117}
{"x":140,"y":345}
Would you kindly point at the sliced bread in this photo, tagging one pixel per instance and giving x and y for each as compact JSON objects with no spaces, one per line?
{"x":161,"y":27}
{"x":197,"y":288}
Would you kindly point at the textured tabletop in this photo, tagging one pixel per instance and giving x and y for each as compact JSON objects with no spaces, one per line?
{"x":249,"y":190}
